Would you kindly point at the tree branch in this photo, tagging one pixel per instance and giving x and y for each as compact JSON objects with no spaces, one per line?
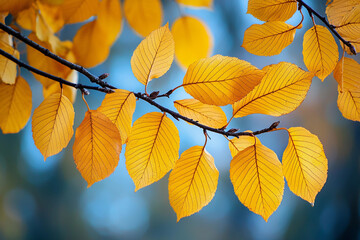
{"x":331,"y":27}
{"x":50,"y":76}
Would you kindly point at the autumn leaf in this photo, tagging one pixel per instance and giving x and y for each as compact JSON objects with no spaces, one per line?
{"x":212,"y":116}
{"x":272,"y":10}
{"x":239,"y":144}
{"x":347,"y":74}
{"x":304,"y":164}
{"x":193,"y":182}
{"x":152,"y":149}
{"x":68,"y":91}
{"x":192,"y":40}
{"x":15,"y":105}
{"x":154,"y":55}
{"x":52,"y":124}
{"x":74,"y":11}
{"x":14,"y":6}
{"x":257,"y":177}
{"x":338,"y":9}
{"x":220,"y":80}
{"x":97,"y":147}
{"x":143,"y":16}
{"x":196,"y":3}
{"x":269,"y":38}
{"x":320,"y":51}
{"x":119,"y":107}
{"x":8,"y":67}
{"x":350,"y":24}
{"x":349,"y":104}
{"x":292,"y":85}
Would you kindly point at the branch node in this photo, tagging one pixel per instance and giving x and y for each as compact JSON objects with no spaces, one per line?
{"x":103,"y":76}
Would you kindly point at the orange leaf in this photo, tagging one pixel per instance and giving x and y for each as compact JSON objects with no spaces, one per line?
{"x":119,"y":107}
{"x":272,"y":10}
{"x":52,"y":124}
{"x":192,"y":40}
{"x":196,"y":3}
{"x":347,"y":74}
{"x":269,"y":38}
{"x":15,"y":105}
{"x":68,"y":91}
{"x":193,"y":182}
{"x":143,"y":16}
{"x":237,"y":145}
{"x":8,"y":67}
{"x":154,"y":55}
{"x":14,"y":6}
{"x":212,"y":116}
{"x":152,"y":149}
{"x":320,"y":51}
{"x":74,"y":11}
{"x":338,"y":9}
{"x":97,"y":147}
{"x":220,"y":80}
{"x":349,"y":104}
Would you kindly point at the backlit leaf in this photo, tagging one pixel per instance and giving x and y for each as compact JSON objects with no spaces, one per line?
{"x":272,"y":10}
{"x":68,"y":91}
{"x":338,"y":9}
{"x":196,"y":3}
{"x":269,"y":38}
{"x":257,"y":177}
{"x":15,"y":105}
{"x":154,"y":55}
{"x":8,"y":67}
{"x":349,"y":104}
{"x":144,"y":16}
{"x":304,"y":164}
{"x":27,"y":18}
{"x":220,"y":80}
{"x":320,"y":51}
{"x":51,"y":15}
{"x":52,"y":124}
{"x":347,"y":74}
{"x":193,"y":182}
{"x":74,"y":11}
{"x":192,"y":40}
{"x":212,"y":116}
{"x":237,"y":145}
{"x":281,"y":91}
{"x":14,"y":6}
{"x":350,"y":24}
{"x":97,"y":147}
{"x":152,"y":149}
{"x":119,"y":107}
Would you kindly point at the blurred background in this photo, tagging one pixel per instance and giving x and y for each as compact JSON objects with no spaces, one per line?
{"x":50,"y":200}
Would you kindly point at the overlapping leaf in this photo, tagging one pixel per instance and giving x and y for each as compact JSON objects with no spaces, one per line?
{"x":74,"y":11}
{"x":119,"y":107}
{"x":269,"y":38}
{"x":347,"y":74}
{"x":257,"y":177}
{"x":14,"y":6}
{"x":193,"y":182}
{"x":152,"y":149}
{"x":320,"y":51}
{"x":68,"y":91}
{"x":272,"y":10}
{"x":349,"y":104}
{"x":220,"y":80}
{"x":338,"y":9}
{"x":154,"y":55}
{"x":52,"y":124}
{"x":196,"y":3}
{"x":192,"y":40}
{"x":350,"y":24}
{"x":8,"y":67}
{"x":304,"y":164}
{"x":237,"y":145}
{"x":97,"y":147}
{"x":212,"y":116}
{"x":15,"y":105}
{"x":281,"y":91}
{"x":144,"y":16}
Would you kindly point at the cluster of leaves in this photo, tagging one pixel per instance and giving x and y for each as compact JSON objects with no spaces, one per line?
{"x":152,"y":141}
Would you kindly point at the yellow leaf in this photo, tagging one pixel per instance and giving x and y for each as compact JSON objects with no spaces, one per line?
{"x":304,"y":164}
{"x":51,"y":15}
{"x":193,"y":182}
{"x":338,"y":9}
{"x":196,"y":3}
{"x":209,"y":115}
{"x":350,"y":24}
{"x":154,"y":55}
{"x":74,"y":11}
{"x":272,"y":10}
{"x":90,"y":38}
{"x":237,"y":145}
{"x":27,"y":18}
{"x":347,"y":74}
{"x":320,"y":51}
{"x":97,"y":147}
{"x":15,"y":105}
{"x":152,"y":149}
{"x":257,"y":177}
{"x":14,"y":6}
{"x":7,"y":67}
{"x":143,"y":16}
{"x":220,"y":80}
{"x":269,"y":38}
{"x":292,"y":85}
{"x":68,"y":91}
{"x":119,"y":107}
{"x":52,"y":124}
{"x":349,"y":104}
{"x":192,"y":40}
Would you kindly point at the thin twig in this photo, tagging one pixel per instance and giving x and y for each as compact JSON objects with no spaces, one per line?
{"x":331,"y":27}
{"x":50,"y":76}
